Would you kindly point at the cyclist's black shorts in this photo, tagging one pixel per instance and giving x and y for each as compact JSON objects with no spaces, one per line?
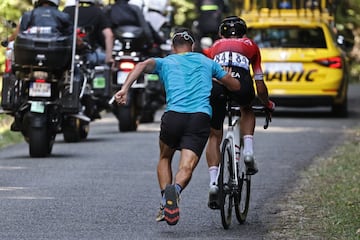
{"x":185,"y":130}
{"x":243,"y":97}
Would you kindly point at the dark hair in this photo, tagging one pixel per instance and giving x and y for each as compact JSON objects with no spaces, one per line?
{"x":232,"y":26}
{"x":183,"y":36}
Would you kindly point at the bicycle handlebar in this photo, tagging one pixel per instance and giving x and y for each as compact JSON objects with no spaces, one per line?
{"x":267,"y":114}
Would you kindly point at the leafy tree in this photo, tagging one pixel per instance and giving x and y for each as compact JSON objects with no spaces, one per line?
{"x":10,"y":10}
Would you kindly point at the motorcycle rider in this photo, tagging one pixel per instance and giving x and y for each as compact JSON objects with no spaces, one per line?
{"x":100,"y":35}
{"x":123,"y":13}
{"x":46,"y":13}
{"x":209,"y":17}
{"x":155,"y":14}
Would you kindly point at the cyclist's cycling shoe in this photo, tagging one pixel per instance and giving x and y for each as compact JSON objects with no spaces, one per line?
{"x":171,"y":208}
{"x":214,"y":197}
{"x":161,"y":216}
{"x":250,"y":164}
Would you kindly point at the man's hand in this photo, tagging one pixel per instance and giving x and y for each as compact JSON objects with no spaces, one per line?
{"x":121,"y":96}
{"x":227,"y":69}
{"x":271,"y":106}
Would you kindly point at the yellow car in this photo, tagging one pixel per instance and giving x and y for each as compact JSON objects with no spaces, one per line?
{"x":303,"y":64}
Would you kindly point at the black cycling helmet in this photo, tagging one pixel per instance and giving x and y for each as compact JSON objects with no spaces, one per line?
{"x":232,"y":26}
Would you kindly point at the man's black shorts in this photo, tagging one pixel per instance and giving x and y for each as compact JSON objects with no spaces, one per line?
{"x":185,"y":130}
{"x":243,"y":97}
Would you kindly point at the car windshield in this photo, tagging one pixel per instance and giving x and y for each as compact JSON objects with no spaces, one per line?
{"x":288,"y":37}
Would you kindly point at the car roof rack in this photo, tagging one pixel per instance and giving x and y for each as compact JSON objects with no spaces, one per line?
{"x":252,"y":11}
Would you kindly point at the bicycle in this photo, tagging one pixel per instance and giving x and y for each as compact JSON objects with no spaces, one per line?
{"x":234,"y":186}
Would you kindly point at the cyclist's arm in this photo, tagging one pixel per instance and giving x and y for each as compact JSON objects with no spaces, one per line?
{"x":262,"y":91}
{"x":261,"y":88}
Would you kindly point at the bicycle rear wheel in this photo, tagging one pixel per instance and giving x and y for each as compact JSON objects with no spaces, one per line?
{"x":242,"y":196}
{"x":225,"y":194}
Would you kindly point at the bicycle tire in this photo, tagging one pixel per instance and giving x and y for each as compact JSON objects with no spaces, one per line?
{"x":242,"y":197}
{"x":226,"y":198}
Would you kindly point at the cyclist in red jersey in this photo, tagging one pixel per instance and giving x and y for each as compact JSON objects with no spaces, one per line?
{"x":237,"y":51}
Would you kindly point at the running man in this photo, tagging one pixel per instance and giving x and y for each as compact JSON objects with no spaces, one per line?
{"x":185,"y":124}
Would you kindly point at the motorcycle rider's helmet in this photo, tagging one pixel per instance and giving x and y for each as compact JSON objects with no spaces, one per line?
{"x":157,"y":5}
{"x":39,"y":2}
{"x":139,"y":3}
{"x":232,"y":26}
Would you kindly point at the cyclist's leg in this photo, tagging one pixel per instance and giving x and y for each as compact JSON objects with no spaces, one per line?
{"x":247,"y":128}
{"x":218,"y":104}
{"x":244,"y":97}
{"x":213,"y":153}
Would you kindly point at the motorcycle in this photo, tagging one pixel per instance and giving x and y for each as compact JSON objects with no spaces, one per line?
{"x":130,"y":48}
{"x":38,"y":91}
{"x":147,"y":95}
{"x":96,"y":78}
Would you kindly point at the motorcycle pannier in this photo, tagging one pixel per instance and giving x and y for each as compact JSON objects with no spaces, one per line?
{"x":9,"y":92}
{"x":49,"y":51}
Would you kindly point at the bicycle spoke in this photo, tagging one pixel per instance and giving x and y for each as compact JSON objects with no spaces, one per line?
{"x":242,"y":201}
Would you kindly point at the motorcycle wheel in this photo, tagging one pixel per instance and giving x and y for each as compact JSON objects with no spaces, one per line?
{"x":75,"y":129}
{"x":147,"y":117}
{"x":127,"y":118}
{"x":40,"y":141}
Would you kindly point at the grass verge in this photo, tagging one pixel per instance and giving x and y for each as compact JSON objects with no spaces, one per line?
{"x":326,"y":202}
{"x":8,"y":137}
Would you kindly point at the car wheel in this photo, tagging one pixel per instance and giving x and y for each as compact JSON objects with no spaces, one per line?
{"x":340,"y":110}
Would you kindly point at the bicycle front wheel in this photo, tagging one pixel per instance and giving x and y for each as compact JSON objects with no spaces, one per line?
{"x":225,"y":184}
{"x":242,"y":196}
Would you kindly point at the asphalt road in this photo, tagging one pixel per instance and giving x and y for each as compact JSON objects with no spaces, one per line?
{"x":106,"y":187}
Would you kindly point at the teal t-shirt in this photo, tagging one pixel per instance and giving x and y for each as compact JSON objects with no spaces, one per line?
{"x":187,"y":80}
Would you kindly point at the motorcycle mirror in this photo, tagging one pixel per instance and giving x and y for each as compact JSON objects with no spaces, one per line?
{"x":10,"y":24}
{"x":4,"y":43}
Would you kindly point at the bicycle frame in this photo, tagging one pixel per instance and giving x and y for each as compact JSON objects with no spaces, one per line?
{"x":233,"y":180}
{"x":233,"y":133}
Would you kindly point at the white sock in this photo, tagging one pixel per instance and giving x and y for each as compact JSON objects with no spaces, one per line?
{"x":213,"y":171}
{"x":248,"y":144}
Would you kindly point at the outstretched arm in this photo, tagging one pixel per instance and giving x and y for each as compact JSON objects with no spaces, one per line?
{"x":146,"y":66}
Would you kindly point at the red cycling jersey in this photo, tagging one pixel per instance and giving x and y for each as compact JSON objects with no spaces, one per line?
{"x":237,"y":52}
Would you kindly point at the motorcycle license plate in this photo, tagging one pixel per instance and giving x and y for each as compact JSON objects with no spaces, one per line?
{"x":40,"y":89}
{"x":121,"y":77}
{"x":38,"y":107}
{"x":99,"y":82}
